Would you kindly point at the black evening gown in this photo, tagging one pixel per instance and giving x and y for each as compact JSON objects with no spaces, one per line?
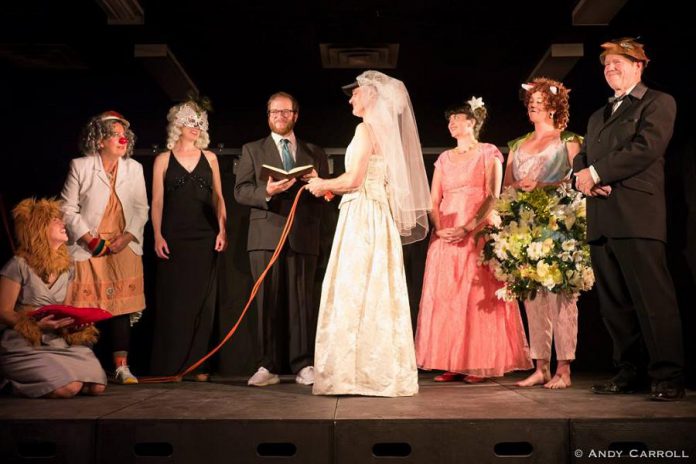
{"x":186,"y":286}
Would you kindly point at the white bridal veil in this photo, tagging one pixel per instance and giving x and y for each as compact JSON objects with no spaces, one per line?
{"x":389,"y":113}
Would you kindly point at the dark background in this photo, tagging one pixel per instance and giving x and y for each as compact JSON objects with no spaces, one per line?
{"x":61,"y":63}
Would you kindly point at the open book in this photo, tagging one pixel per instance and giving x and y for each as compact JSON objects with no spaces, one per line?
{"x":280,"y":174}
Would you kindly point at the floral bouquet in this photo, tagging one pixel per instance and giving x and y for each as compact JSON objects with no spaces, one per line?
{"x":537,"y":243}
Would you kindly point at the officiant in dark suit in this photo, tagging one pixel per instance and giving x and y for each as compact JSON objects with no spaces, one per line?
{"x":620,"y":168}
{"x":286,"y":310}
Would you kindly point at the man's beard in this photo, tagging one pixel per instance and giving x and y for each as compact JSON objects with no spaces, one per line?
{"x":283,"y":130}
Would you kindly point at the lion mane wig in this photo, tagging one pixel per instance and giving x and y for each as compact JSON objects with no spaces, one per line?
{"x":32,"y":218}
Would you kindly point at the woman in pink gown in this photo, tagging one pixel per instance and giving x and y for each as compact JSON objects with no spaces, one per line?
{"x":463,"y":328}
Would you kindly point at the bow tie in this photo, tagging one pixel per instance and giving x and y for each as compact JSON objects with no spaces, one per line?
{"x":617,"y":99}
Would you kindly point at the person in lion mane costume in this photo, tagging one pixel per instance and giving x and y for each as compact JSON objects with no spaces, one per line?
{"x":47,"y":356}
{"x":32,"y":218}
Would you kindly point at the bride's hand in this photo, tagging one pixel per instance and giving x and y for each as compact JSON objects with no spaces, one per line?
{"x":316,"y":186}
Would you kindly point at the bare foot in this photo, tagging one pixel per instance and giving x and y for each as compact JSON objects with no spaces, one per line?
{"x":558,"y":382}
{"x":474,"y":379}
{"x":537,"y":378}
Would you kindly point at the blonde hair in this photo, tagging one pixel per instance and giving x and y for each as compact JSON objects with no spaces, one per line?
{"x":32,"y":218}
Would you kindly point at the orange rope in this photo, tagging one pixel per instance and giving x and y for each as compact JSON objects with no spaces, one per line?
{"x":254,"y":290}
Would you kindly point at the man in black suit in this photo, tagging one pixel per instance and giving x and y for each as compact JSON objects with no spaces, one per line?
{"x":286,"y":311}
{"x":621,"y":170}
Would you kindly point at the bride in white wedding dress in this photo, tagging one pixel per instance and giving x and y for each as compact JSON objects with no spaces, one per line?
{"x":364,"y":342}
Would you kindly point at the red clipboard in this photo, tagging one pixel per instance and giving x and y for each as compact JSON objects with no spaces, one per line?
{"x":82,"y":316}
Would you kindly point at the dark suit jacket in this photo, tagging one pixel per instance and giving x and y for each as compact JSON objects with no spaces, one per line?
{"x":627,"y":151}
{"x":267,"y":219}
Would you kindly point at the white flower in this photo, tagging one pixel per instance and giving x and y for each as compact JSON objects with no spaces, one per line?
{"x":534,"y":251}
{"x":565,"y":190}
{"x":475,"y":103}
{"x":588,"y":279}
{"x":504,"y":294}
{"x":569,"y":245}
{"x":500,"y":249}
{"x":527,"y":216}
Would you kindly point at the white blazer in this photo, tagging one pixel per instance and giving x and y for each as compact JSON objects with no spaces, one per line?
{"x":86,"y":193}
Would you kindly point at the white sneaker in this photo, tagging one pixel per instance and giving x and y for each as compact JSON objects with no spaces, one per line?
{"x":305,"y":376}
{"x":124,"y":376}
{"x":263,"y":378}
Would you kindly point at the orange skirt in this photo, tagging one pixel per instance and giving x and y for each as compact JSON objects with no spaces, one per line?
{"x":112,"y":282}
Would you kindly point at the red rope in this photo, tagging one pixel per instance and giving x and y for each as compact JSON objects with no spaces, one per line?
{"x":281,"y":242}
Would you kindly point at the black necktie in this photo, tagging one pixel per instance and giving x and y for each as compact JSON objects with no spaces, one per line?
{"x":616,"y":102}
{"x":612,"y":106}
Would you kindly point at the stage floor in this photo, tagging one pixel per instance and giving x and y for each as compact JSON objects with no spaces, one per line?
{"x":227,"y":421}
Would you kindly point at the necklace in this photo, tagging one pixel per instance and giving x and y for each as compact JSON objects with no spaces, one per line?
{"x":463,"y":150}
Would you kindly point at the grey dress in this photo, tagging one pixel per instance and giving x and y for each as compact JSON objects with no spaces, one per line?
{"x":36,"y":371}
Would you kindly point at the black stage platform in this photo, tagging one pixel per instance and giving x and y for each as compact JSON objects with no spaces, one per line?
{"x":228,"y":422}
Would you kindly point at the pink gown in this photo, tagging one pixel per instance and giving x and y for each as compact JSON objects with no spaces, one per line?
{"x":462,"y":326}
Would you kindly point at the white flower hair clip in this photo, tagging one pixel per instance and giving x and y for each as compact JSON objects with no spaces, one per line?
{"x":553,"y":89}
{"x":475,"y":103}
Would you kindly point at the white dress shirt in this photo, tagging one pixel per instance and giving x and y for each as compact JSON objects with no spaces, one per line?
{"x":293,"y":144}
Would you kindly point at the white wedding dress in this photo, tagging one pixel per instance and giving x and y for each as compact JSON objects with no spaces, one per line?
{"x":364,"y":342}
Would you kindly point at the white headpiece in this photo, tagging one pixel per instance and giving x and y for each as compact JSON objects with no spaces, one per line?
{"x":475,"y":103}
{"x":552,"y":88}
{"x":188,"y":116}
{"x":389,"y":113}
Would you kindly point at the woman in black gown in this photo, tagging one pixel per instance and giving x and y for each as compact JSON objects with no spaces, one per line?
{"x":188,"y":217}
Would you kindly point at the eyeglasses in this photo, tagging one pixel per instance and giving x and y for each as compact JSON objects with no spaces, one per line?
{"x":284,"y":113}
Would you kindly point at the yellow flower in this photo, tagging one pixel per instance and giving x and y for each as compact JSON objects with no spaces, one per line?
{"x":569,"y":220}
{"x":553,"y":223}
{"x":547,"y":247}
{"x":527,"y":271}
{"x":542,"y":270}
{"x":581,"y":212}
{"x":556,"y":274}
